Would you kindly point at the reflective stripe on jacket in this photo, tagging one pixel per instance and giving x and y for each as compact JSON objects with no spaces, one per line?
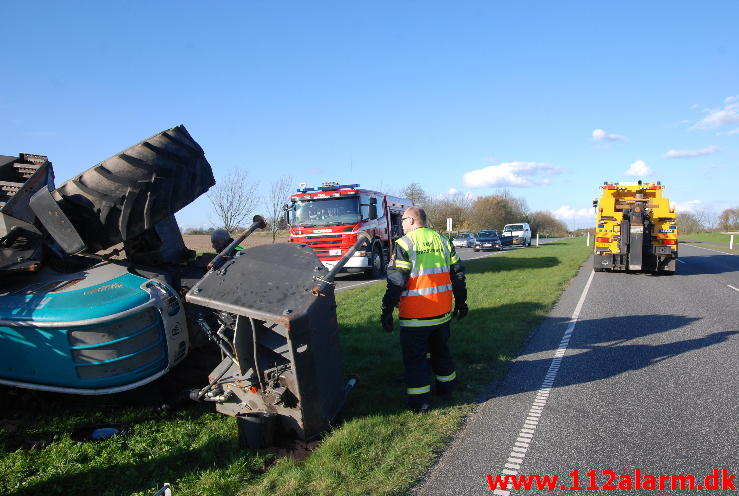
{"x":428,"y":292}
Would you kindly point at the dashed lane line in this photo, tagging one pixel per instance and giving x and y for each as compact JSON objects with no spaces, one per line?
{"x":732,"y":287}
{"x":526,"y":434}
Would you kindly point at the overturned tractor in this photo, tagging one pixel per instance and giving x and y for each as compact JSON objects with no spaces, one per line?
{"x":76,"y":320}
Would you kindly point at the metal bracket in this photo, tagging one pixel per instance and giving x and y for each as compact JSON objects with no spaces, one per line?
{"x":56,"y":222}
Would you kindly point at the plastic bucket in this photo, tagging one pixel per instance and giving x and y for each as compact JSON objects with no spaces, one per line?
{"x":256,"y":429}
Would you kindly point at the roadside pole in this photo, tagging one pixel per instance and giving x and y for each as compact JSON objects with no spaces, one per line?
{"x":588,"y":242}
{"x":537,"y":239}
{"x":731,"y":239}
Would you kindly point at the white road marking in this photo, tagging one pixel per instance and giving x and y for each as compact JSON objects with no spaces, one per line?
{"x":526,"y":434}
{"x":709,"y":249}
{"x":732,"y":287}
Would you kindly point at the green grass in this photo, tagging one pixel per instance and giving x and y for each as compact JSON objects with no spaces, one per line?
{"x":713,"y":240}
{"x":380,"y":449}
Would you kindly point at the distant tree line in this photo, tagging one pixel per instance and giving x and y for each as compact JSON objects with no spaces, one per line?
{"x":703,"y":221}
{"x":484,"y":212}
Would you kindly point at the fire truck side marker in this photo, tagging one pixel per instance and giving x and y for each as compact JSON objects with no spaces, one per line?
{"x":525,"y":435}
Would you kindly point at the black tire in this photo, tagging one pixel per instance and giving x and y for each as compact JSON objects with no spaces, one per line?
{"x":128,"y":193}
{"x":377,"y":267}
{"x":475,"y":249}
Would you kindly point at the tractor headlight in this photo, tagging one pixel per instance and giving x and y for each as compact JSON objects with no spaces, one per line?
{"x":166,"y":294}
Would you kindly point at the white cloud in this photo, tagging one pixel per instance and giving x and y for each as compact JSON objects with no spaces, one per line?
{"x":729,"y":133}
{"x":510,"y":174}
{"x":718,"y":117}
{"x":452,"y":191}
{"x":709,"y":150}
{"x":601,"y":135}
{"x":577,"y":217}
{"x":688,"y":206}
{"x":639,"y":168}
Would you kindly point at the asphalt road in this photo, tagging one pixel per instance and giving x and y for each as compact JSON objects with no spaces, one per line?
{"x":629,"y":371}
{"x":348,"y":281}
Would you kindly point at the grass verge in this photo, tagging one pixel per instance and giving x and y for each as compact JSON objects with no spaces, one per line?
{"x":380,"y":449}
{"x":714,"y":240}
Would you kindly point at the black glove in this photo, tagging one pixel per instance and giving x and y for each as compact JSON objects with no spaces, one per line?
{"x":387,"y":320}
{"x":460,"y":310}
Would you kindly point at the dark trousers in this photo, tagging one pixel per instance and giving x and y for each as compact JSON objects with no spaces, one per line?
{"x":425,"y":349}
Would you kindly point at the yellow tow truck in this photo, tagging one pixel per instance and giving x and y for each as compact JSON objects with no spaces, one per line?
{"x":635,"y":229}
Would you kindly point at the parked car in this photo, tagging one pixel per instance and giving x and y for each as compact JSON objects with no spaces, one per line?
{"x":520,"y":232}
{"x":488,"y":240}
{"x":464,"y":240}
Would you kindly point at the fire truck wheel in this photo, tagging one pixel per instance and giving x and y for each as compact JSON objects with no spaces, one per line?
{"x":376,"y":260}
{"x":130,"y":192}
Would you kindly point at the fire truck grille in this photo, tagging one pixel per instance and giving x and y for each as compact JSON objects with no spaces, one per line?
{"x":323,"y":242}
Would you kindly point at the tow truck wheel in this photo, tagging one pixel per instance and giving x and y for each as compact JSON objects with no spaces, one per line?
{"x":376,"y":260}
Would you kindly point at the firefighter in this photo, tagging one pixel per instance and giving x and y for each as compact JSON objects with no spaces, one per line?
{"x":220,"y":239}
{"x":421,"y":279}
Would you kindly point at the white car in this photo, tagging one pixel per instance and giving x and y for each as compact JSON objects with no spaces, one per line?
{"x":520,"y":232}
{"x":464,"y":240}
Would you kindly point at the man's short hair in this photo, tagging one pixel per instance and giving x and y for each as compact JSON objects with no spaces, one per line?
{"x":417,"y":213}
{"x":220,"y":239}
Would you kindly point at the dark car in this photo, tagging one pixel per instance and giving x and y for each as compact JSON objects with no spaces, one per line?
{"x":488,"y":240}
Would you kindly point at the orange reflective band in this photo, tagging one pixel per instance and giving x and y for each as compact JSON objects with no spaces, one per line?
{"x":602,"y":240}
{"x":424,"y":306}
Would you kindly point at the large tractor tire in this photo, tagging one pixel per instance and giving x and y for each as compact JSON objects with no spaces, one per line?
{"x":130,"y":192}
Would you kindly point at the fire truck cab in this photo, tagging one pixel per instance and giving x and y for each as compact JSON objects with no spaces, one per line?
{"x":328,"y":217}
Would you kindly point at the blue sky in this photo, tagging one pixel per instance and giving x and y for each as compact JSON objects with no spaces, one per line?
{"x":544,"y":99}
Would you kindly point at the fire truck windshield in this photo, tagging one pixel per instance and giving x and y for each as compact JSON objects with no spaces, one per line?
{"x":329,"y":212}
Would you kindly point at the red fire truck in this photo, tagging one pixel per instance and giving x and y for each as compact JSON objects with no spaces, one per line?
{"x":328,"y":218}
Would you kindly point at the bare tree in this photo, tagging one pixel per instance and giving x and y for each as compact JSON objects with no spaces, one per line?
{"x":546,"y":224}
{"x":279,"y":194}
{"x":415,"y":193}
{"x":456,"y":207}
{"x":688,"y":222}
{"x":234,"y":198}
{"x":494,"y":211}
{"x":729,"y":219}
